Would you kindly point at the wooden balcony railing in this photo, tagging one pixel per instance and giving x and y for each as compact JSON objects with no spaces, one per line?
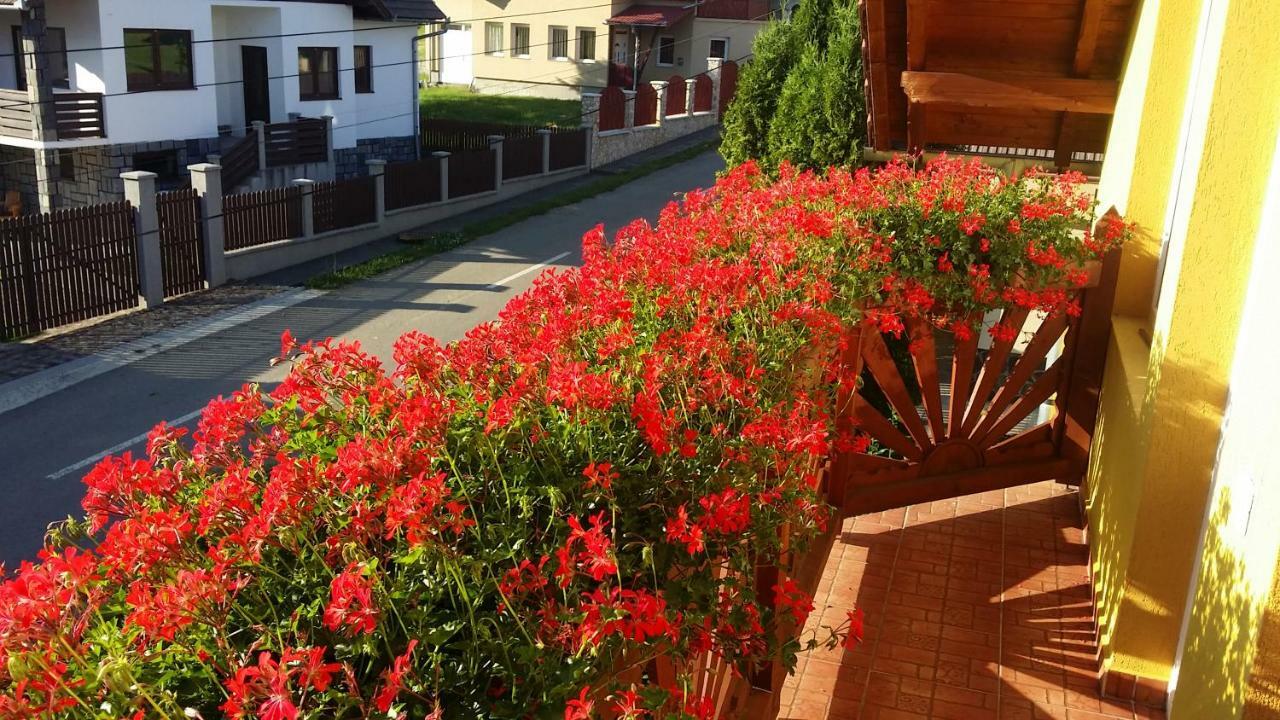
{"x":75,"y":116}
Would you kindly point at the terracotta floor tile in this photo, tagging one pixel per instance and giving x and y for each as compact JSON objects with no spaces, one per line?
{"x":976,"y":607}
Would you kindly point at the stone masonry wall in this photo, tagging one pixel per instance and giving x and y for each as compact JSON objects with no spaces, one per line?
{"x":350,"y":162}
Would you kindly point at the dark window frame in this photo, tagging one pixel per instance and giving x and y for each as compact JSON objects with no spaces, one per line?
{"x":157,"y":83}
{"x":666,"y":43}
{"x":309,"y":82}
{"x":364,"y":69}
{"x":20,"y":59}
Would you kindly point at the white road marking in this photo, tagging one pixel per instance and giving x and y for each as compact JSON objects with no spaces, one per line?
{"x":532,"y":268}
{"x":120,"y":447}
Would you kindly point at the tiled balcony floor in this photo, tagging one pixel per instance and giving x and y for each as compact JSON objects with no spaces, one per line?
{"x":974,"y":608}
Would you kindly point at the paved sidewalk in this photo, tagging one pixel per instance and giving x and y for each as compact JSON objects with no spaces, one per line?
{"x":74,"y":342}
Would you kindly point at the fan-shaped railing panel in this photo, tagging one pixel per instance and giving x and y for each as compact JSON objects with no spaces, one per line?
{"x":949,"y":416}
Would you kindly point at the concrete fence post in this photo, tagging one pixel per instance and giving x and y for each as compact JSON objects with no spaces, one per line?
{"x":630,"y":105}
{"x":660,"y":86}
{"x":260,"y":130}
{"x":715,"y":68}
{"x":546,"y":149}
{"x":378,"y":171}
{"x":443,"y":157}
{"x":690,"y":94}
{"x":140,"y":191}
{"x":591,"y":123}
{"x":495,"y":145}
{"x":206,"y":178}
{"x":308,"y":206}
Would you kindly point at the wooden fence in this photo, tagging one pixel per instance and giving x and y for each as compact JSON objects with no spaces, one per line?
{"x":299,"y":142}
{"x":677,"y":94}
{"x":521,"y":157}
{"x":702,"y":92}
{"x":181,"y":241}
{"x":471,"y":172}
{"x":458,"y":135}
{"x":343,"y":204}
{"x":66,"y":266}
{"x":613,"y":109}
{"x":646,"y":105}
{"x":240,"y":162}
{"x":257,"y":218}
{"x":412,"y":183}
{"x":568,"y":149}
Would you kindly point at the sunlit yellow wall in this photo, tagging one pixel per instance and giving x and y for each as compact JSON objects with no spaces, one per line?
{"x":1163,"y":407}
{"x":1136,"y":180}
{"x":1231,"y":590}
{"x":1262,"y":698}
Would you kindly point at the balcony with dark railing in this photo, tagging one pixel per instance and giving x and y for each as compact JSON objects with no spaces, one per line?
{"x":76,"y":116}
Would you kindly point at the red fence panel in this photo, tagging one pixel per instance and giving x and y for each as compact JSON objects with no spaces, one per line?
{"x":258,"y":218}
{"x":181,"y":241}
{"x":728,"y":85}
{"x":646,"y":105}
{"x":677,"y":94}
{"x":702,"y":92}
{"x":613,"y":109}
{"x":413,"y":183}
{"x":66,"y":266}
{"x":344,"y":204}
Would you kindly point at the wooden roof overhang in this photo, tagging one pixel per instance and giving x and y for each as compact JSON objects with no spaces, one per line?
{"x":1026,"y":74}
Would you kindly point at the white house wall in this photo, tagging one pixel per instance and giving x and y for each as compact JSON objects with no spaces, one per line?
{"x":387,"y":111}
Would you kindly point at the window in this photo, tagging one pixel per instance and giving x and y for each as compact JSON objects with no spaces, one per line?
{"x":719,"y":48}
{"x":586,"y":44}
{"x":158,"y":60}
{"x":559,"y":43}
{"x":493,"y":38}
{"x":666,"y":51}
{"x":318,"y":73}
{"x":55,"y":50}
{"x":164,"y":163}
{"x":67,"y":164}
{"x":520,"y":41}
{"x":364,"y":68}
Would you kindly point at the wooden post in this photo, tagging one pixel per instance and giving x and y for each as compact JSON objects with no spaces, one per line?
{"x":308,"y":206}
{"x":206,"y":178}
{"x":917,"y":33}
{"x":378,"y":171}
{"x":140,"y":191}
{"x":495,"y":146}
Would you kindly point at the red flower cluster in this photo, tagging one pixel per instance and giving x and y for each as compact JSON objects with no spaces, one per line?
{"x":502,"y":526}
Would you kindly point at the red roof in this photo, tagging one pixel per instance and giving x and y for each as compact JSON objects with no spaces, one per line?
{"x":651,"y":15}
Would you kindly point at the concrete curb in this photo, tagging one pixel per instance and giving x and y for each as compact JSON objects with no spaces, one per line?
{"x":25,"y":390}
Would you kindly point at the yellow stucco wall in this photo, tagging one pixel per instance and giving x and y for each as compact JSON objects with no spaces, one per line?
{"x":1161,"y":425}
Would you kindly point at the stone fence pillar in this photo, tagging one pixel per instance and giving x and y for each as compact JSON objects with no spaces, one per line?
{"x":378,"y":171}
{"x":443,"y":156}
{"x":206,"y":178}
{"x":660,"y":86}
{"x":308,"y":206}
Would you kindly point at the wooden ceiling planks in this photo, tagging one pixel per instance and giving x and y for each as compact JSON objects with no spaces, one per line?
{"x":1044,"y":46}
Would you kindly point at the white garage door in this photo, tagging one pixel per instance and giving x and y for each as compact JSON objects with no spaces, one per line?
{"x":455,"y":66}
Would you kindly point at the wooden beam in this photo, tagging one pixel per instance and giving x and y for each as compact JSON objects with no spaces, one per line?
{"x":1087,"y":38}
{"x":916,"y":138}
{"x":917,"y":33}
{"x":1051,"y":94}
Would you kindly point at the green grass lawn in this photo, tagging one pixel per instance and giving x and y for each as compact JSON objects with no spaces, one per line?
{"x":455,"y":103}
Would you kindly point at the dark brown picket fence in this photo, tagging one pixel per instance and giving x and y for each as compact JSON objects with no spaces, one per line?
{"x":460,"y":135}
{"x":413,"y":183}
{"x":568,"y":149}
{"x":344,"y":204}
{"x":66,"y":266}
{"x":257,"y":218}
{"x":181,"y":241}
{"x":521,"y":157}
{"x":301,"y":141}
{"x":471,"y":172}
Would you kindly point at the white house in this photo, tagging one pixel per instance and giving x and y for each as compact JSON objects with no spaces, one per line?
{"x":89,"y":88}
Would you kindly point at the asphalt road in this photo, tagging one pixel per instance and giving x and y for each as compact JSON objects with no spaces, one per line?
{"x":47,"y":446}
